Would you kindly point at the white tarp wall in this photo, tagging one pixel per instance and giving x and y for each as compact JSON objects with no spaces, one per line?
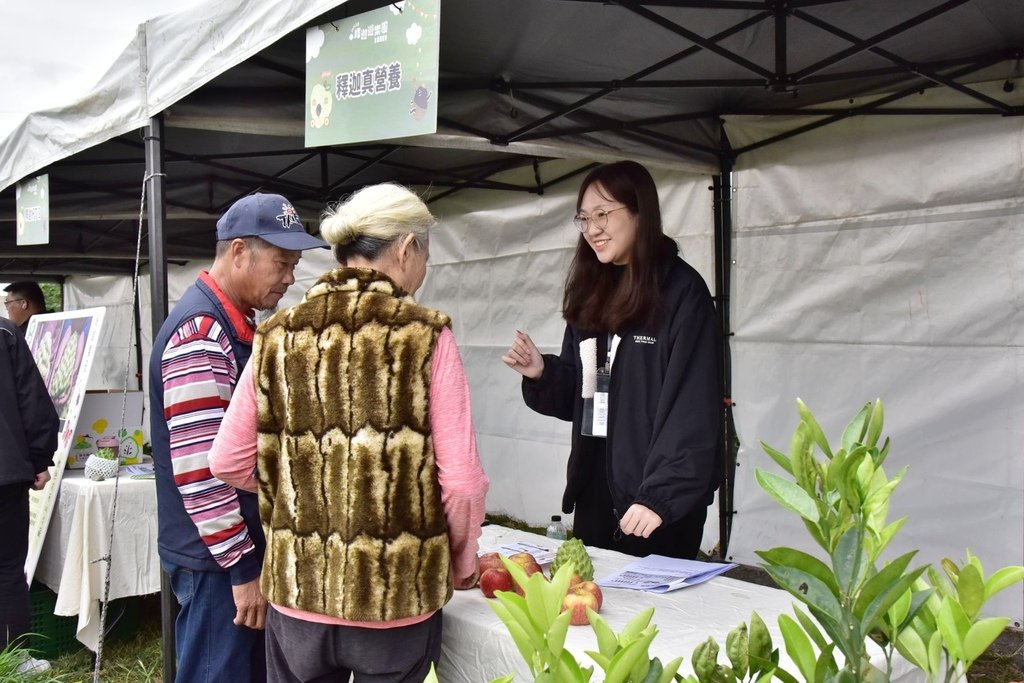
{"x":884,"y":257}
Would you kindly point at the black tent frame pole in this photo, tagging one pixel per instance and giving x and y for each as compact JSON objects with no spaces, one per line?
{"x":157,"y":214}
{"x":722,"y":211}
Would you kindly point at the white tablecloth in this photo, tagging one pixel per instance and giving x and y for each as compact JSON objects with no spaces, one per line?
{"x":79,"y":533}
{"x":476,"y":646}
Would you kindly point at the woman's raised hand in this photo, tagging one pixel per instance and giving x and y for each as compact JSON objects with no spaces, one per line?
{"x":524,"y":357}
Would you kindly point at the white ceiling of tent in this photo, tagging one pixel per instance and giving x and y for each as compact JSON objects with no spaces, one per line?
{"x":522,"y":81}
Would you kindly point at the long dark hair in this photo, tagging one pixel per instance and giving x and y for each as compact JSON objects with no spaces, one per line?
{"x":603,"y":297}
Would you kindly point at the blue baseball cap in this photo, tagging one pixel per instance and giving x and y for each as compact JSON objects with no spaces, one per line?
{"x":269,"y":216}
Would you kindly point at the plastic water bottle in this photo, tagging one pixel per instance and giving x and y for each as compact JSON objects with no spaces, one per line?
{"x":556,"y":529}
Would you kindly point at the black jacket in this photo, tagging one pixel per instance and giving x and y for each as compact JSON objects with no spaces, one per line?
{"x":28,"y":420}
{"x":665,"y":405}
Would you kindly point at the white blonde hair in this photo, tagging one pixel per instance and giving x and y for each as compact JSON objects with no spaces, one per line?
{"x":372,"y":219}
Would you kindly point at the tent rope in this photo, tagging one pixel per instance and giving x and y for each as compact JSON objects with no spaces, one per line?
{"x":106,"y":559}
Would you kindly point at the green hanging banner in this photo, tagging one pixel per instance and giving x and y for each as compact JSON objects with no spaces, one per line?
{"x":32,"y":197}
{"x":373,"y":76}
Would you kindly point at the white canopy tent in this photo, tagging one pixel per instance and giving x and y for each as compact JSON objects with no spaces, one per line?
{"x":873,"y":257}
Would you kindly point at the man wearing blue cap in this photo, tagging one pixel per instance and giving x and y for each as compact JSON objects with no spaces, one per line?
{"x":210,"y":540}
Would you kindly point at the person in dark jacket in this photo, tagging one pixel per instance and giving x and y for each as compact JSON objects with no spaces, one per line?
{"x":638,"y":375}
{"x":24,"y":300}
{"x":28,"y":438}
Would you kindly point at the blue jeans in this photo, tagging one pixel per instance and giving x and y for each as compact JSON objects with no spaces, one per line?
{"x":209,"y":647}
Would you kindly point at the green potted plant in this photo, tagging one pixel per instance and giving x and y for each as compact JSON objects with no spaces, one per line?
{"x":852,"y":597}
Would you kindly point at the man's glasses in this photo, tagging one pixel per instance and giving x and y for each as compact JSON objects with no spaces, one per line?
{"x":598,"y":219}
{"x":12,"y":301}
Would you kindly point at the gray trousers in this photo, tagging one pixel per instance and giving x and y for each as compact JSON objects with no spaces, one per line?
{"x":306,"y":652}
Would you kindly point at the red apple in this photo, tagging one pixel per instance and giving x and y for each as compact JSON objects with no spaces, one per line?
{"x":581,"y":596}
{"x":495,"y":579}
{"x":490,"y":561}
{"x":523,"y":559}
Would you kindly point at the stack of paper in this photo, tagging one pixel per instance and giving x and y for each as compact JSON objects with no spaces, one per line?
{"x":540,"y":553}
{"x":660,"y":574}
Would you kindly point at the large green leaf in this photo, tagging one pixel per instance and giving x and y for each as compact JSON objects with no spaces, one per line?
{"x":881,"y":581}
{"x":556,"y":634}
{"x":759,"y":642}
{"x":626,"y":658}
{"x":881,"y":604}
{"x":705,"y":659}
{"x":935,"y":652}
{"x":802,"y":456}
{"x":568,"y":670}
{"x":787,"y":494}
{"x":885,"y":536}
{"x":798,"y":646}
{"x":826,"y":667}
{"x":982,"y":634}
{"x":875,"y":423}
{"x":954,"y":626}
{"x":854,"y":432}
{"x":511,"y":608}
{"x":736,"y":649}
{"x":809,"y":589}
{"x":970,"y":590}
{"x":779,"y":457}
{"x":848,"y":561}
{"x":1002,"y":578}
{"x":898,"y":612}
{"x":797,"y":559}
{"x":635,"y":626}
{"x":810,"y":628}
{"x":814,"y":429}
{"x":654,"y":672}
{"x":912,"y":647}
{"x":607,"y":641}
{"x":523,"y":638}
{"x":670,"y":669}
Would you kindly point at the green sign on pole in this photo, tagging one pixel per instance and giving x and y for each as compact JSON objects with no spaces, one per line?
{"x":373,"y":76}
{"x":33,"y":210}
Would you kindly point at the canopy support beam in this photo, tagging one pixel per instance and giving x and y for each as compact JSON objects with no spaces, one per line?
{"x":722,"y":210}
{"x":157,"y":210}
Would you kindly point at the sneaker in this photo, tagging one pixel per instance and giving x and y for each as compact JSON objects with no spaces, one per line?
{"x":31,"y":665}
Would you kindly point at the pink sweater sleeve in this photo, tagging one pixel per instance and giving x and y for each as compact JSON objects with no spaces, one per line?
{"x":463,"y":482}
{"x":233,"y":453}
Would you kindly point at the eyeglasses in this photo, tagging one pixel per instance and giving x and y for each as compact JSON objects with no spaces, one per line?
{"x":12,"y":301}
{"x":599,"y":219}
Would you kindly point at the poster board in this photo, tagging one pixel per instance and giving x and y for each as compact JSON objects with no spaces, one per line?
{"x":101,"y":417}
{"x":373,"y":76}
{"x":63,"y":345}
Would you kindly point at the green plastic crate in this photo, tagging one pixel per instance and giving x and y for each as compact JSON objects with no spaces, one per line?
{"x":54,"y":635}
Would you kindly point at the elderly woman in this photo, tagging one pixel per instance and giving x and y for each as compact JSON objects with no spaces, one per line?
{"x":353,"y":422}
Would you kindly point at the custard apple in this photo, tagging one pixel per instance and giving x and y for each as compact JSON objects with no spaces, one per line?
{"x":575,"y":552}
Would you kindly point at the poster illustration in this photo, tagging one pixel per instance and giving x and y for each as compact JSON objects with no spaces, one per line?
{"x":63,"y":345}
{"x":373,"y":76}
{"x":32,"y":197}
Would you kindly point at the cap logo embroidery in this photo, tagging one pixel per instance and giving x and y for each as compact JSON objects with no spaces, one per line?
{"x":288,"y":217}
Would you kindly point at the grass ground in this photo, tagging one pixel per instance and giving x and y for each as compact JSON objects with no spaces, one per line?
{"x":137,"y":658}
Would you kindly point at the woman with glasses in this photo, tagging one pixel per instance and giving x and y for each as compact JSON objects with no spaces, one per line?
{"x":638,"y":375}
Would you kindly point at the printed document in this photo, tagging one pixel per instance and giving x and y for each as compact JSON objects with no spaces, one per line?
{"x":660,"y":574}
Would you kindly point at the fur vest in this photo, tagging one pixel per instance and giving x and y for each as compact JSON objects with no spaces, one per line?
{"x":349,"y":497}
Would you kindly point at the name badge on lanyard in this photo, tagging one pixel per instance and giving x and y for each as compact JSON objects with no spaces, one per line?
{"x":598,"y":418}
{"x":595,"y":408}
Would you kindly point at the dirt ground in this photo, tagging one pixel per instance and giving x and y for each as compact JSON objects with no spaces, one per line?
{"x":1003,"y":663}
